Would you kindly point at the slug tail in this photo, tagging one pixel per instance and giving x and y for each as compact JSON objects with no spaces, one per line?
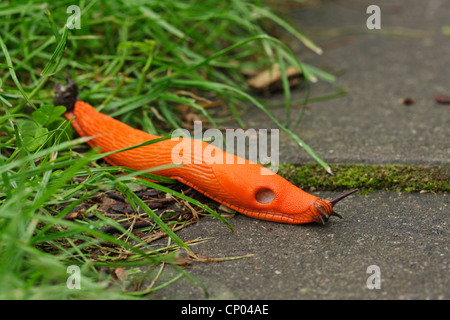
{"x":66,"y":95}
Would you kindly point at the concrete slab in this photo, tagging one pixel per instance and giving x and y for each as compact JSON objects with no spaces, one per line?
{"x":407,"y":58}
{"x":406,"y":236}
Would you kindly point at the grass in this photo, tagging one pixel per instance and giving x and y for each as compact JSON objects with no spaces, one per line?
{"x":144,"y":63}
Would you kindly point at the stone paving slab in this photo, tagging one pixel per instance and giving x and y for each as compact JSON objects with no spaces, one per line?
{"x":405,"y":235}
{"x":369,"y":125}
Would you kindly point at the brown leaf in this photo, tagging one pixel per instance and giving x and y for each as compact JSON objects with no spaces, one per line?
{"x":73,"y":215}
{"x":182,"y":258}
{"x":120,"y":274}
{"x":226,"y":209}
{"x":269,"y":81}
{"x":440,"y":98}
{"x":106,"y":204}
{"x":406,"y":101}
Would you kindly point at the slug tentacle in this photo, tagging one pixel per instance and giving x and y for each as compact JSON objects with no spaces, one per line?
{"x":342,"y":196}
{"x":322,"y":209}
{"x":242,"y":185}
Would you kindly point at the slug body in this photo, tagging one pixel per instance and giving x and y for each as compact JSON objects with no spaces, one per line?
{"x":240,"y":185}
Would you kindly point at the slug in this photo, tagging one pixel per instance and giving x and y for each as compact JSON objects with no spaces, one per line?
{"x":243,"y":186}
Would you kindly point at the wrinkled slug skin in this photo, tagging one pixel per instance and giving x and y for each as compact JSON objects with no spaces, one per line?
{"x":235,"y":185}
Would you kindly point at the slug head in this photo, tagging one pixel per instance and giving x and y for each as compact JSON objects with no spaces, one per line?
{"x":251,"y":190}
{"x":322,"y":209}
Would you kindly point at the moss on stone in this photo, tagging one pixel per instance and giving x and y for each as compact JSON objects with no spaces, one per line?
{"x":369,"y":178}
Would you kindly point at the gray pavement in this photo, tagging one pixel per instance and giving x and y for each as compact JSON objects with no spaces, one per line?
{"x":369,"y":125}
{"x":406,"y":235}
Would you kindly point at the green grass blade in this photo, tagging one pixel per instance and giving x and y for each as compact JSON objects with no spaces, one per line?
{"x":270,"y":15}
{"x":13,"y":73}
{"x":57,"y":55}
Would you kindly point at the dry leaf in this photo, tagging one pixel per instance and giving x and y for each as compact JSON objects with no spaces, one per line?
{"x":73,"y":215}
{"x":182,"y":258}
{"x":120,"y":273}
{"x":269,"y":81}
{"x":226,"y":209}
{"x":439,"y":98}
{"x":406,"y":101}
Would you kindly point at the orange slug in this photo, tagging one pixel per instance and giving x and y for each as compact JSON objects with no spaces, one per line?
{"x":242,"y":185}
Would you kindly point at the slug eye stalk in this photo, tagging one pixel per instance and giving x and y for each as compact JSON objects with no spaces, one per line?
{"x":322,"y":209}
{"x":339,"y":198}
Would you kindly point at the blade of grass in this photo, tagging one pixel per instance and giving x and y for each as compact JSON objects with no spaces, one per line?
{"x":268,"y":14}
{"x":57,"y":54}
{"x":138,"y":201}
{"x":182,"y":196}
{"x":13,"y":73}
{"x":286,"y":87}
